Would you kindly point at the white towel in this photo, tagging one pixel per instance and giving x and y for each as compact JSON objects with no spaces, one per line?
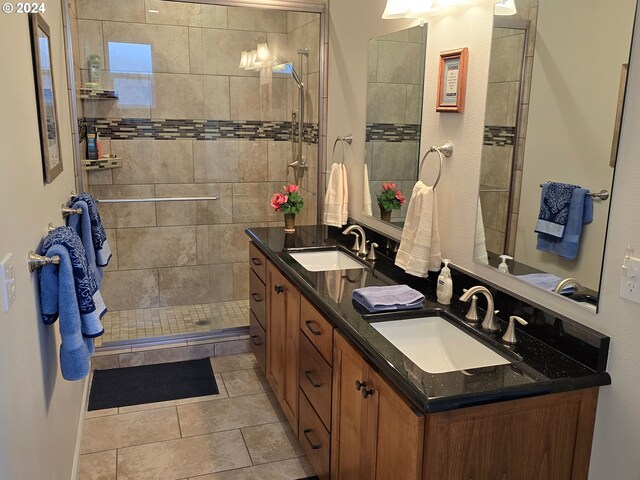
{"x":480,"y":244}
{"x":419,"y":250}
{"x":336,"y":199}
{"x":366,"y":207}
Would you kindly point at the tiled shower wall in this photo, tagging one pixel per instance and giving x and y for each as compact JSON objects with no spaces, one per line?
{"x":394,"y":106}
{"x":506,"y":118}
{"x":188,"y":122}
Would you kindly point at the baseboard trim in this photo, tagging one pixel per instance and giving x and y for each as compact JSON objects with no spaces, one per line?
{"x":83,"y":409}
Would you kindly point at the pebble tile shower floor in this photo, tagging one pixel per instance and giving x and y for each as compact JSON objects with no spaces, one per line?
{"x":126,"y":325}
{"x":240,"y":434}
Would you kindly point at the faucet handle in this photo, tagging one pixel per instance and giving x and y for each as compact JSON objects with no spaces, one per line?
{"x":372,"y":252}
{"x":356,"y":243}
{"x":472,"y":314}
{"x":510,"y":335}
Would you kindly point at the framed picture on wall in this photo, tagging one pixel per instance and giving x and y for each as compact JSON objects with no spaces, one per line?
{"x":45,"y":96}
{"x":452,"y":80}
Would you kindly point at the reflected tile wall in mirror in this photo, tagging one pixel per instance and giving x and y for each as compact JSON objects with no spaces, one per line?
{"x":394,"y":111}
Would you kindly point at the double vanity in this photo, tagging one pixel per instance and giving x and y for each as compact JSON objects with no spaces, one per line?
{"x":416,"y":394}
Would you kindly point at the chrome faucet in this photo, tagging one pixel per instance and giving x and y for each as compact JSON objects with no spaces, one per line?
{"x":363,"y":250}
{"x":489,"y":323}
{"x":568,"y":281}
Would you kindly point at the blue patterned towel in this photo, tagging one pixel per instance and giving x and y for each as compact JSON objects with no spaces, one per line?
{"x":388,"y":298}
{"x":555,"y":201}
{"x":93,"y":227}
{"x":85,"y":291}
{"x":57,"y":294}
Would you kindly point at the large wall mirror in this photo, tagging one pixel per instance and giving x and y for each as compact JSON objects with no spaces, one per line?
{"x":394,"y":111}
{"x":554,"y":105}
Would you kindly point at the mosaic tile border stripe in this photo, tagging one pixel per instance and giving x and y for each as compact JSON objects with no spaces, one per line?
{"x":393,"y":132}
{"x":499,"y":136}
{"x":168,"y":129}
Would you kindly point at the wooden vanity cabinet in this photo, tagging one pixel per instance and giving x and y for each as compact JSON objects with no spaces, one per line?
{"x":375,"y":433}
{"x":354,"y":425}
{"x":283,"y":336}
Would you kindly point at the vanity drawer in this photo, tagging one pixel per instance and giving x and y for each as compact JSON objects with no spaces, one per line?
{"x":314,"y":438}
{"x":317,"y":329}
{"x":257,"y":340}
{"x":257,"y":298}
{"x":315,"y":380}
{"x":258,"y":262}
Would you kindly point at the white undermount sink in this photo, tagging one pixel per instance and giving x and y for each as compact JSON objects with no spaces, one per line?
{"x":323,"y":260}
{"x":436,"y":346}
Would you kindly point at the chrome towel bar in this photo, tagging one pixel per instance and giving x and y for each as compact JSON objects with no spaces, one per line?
{"x":602,"y":194}
{"x":36,"y":261}
{"x":160,"y":199}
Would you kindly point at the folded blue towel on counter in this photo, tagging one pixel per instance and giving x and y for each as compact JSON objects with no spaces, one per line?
{"x":555,"y":201}
{"x":580,"y":213}
{"x":91,"y":231}
{"x":57,"y":294}
{"x":388,"y":298}
{"x":546,"y":281}
{"x":88,"y":298}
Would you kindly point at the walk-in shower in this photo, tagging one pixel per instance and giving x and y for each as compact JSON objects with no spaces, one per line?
{"x":201,"y":145}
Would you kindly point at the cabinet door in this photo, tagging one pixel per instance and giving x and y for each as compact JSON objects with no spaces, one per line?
{"x":399,"y":432}
{"x":283,"y":342}
{"x":352,"y":449}
{"x":276,"y":307}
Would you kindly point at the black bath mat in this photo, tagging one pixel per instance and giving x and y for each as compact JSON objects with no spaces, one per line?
{"x":121,"y":387}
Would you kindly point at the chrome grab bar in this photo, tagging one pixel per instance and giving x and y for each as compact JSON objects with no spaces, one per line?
{"x":160,"y":199}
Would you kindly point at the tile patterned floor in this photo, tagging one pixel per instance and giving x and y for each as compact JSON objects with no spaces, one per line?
{"x":160,"y":321}
{"x":240,"y":434}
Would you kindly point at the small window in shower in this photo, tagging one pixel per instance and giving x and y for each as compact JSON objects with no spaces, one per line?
{"x":130,"y":64}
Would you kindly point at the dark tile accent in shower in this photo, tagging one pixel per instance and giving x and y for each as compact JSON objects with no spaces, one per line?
{"x":499,"y":136}
{"x":392,"y":132}
{"x":167,"y":129}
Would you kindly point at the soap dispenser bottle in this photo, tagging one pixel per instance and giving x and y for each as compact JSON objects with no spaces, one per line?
{"x":503,"y":267}
{"x":444,"y":290}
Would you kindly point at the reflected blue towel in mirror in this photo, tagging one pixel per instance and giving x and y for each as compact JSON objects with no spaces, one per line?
{"x":388,"y":298}
{"x":555,"y":201}
{"x":580,"y":213}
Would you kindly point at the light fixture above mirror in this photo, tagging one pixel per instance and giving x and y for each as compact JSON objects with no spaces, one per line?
{"x":423,"y":8}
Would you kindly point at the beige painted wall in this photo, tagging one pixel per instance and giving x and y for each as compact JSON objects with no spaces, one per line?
{"x":617,"y":426}
{"x":39,"y":411}
{"x":570,"y":128}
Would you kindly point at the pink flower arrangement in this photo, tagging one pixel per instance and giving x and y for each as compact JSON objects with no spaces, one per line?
{"x":289,"y":202}
{"x":390,"y":198}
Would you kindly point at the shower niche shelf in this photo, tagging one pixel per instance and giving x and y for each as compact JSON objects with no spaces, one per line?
{"x":98,"y":94}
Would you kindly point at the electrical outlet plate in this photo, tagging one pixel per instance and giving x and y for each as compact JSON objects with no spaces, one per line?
{"x":7,"y":282}
{"x":630,"y":284}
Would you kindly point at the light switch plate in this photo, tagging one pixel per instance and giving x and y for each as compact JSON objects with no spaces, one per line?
{"x":7,"y":282}
{"x":630,"y":284}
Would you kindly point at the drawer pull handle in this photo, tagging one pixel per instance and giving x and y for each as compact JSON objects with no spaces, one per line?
{"x":256,"y":261}
{"x":314,"y":446}
{"x":307,"y":373}
{"x":256,"y":298}
{"x":279,"y":289}
{"x":314,"y":331}
{"x":256,"y":342}
{"x":360,"y":385}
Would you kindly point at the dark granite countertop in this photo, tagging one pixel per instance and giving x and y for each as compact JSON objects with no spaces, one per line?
{"x":537,"y":368}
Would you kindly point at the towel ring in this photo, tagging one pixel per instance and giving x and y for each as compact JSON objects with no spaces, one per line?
{"x":348,"y":139}
{"x":446,"y":150}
